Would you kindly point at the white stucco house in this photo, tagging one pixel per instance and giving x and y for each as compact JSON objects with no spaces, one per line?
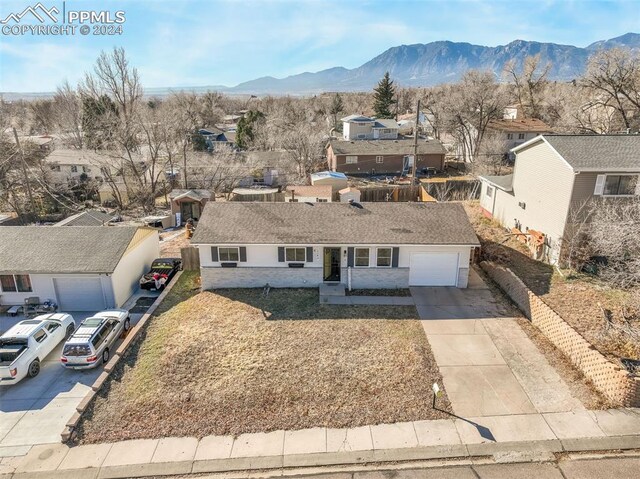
{"x":368,"y":245}
{"x":81,"y":268}
{"x":309,"y":194}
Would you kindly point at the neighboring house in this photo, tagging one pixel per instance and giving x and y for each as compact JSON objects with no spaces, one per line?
{"x":359,"y":127}
{"x":302,"y":245}
{"x":309,"y":194}
{"x":215,"y":138}
{"x":189,"y":203}
{"x":554,"y":175}
{"x":72,"y":165}
{"x":384,"y":157}
{"x":426,"y":121}
{"x":515,"y":132}
{"x":87,"y":218}
{"x":82,"y":268}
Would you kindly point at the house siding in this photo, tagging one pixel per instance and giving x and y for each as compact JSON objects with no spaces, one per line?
{"x":134,"y":263}
{"x":391,"y":163}
{"x":543,"y":181}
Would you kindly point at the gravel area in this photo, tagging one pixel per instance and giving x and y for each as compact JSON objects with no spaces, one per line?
{"x":233,"y":361}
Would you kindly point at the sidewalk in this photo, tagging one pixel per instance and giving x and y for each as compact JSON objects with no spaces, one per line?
{"x":419,"y":440}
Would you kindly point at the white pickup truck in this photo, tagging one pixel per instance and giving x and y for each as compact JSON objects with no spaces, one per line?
{"x":25,"y":345}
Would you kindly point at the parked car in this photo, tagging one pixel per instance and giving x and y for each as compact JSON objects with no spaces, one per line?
{"x":162,"y":270}
{"x":29,"y":342}
{"x":93,"y":341}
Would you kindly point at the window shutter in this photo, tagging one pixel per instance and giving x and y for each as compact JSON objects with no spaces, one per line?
{"x":350,"y":254}
{"x":281,"y":254}
{"x":600,"y":179}
{"x":243,"y":254}
{"x":395,"y":255}
{"x":309,"y":254}
{"x":214,"y":254}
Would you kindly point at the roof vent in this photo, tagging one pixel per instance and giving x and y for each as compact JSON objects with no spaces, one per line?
{"x":355,"y":204}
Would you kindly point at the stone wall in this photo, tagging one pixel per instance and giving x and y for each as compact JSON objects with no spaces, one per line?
{"x":213,"y":278}
{"x":377,"y":278}
{"x":610,"y":379}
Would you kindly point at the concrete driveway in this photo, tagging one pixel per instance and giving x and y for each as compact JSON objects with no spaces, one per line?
{"x":489,"y":365}
{"x":35,"y":410}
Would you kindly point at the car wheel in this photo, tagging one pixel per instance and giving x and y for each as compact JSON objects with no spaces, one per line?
{"x":70,"y":329}
{"x":34,"y":368}
{"x":127,"y":324}
{"x":105,"y":356}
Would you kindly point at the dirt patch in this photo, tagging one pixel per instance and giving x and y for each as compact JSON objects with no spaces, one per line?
{"x":233,"y":361}
{"x":172,"y":242}
{"x":578,"y":298}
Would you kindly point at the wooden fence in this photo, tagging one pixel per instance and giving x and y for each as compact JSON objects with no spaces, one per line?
{"x":190,"y":258}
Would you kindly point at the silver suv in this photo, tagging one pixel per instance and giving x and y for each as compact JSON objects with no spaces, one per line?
{"x":95,"y":338}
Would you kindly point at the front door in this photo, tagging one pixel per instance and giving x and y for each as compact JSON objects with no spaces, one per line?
{"x":331,"y":264}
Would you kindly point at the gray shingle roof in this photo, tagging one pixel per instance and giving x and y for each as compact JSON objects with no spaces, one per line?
{"x":75,"y":249}
{"x":598,"y":152}
{"x":504,"y":182}
{"x":386,"y":147}
{"x":87,"y":218}
{"x":334,"y":223}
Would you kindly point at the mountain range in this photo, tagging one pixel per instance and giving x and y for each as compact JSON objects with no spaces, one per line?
{"x":414,"y":65}
{"x":434,"y":63}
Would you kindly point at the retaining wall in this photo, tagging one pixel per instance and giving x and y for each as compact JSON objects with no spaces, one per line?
{"x":609,"y":378}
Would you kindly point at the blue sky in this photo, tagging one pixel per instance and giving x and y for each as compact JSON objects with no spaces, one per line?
{"x":224,"y":42}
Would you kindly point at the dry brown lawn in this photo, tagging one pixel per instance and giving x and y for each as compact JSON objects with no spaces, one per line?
{"x":232,"y":361}
{"x":574,"y":296}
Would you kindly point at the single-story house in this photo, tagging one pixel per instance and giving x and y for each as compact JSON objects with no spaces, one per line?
{"x":384,"y":156}
{"x":310,"y":194}
{"x":82,"y":268}
{"x":554,"y":176}
{"x":87,"y":218}
{"x":189,"y":203}
{"x":362,"y":245}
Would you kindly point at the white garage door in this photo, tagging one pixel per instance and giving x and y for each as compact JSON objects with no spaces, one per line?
{"x":433,"y":269}
{"x":79,"y":294}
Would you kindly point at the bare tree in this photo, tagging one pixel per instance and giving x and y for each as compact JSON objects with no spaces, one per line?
{"x":615,"y":74}
{"x":68,"y":110}
{"x":530,"y":82}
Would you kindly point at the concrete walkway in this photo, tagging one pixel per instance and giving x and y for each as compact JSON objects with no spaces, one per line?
{"x":450,"y":438}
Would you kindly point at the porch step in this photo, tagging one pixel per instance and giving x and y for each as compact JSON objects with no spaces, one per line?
{"x":332,"y":289}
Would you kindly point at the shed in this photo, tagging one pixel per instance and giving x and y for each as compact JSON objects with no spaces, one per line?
{"x":349,"y":194}
{"x":337,"y":180}
{"x":187,"y":204}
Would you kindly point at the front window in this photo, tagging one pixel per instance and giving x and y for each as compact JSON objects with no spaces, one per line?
{"x":351,"y":160}
{"x":74,"y":169}
{"x":362,"y":257}
{"x":520,"y":136}
{"x":16,"y":283}
{"x":384,"y":257}
{"x":55,"y":167}
{"x":229,"y":254}
{"x":379,"y":159}
{"x":620,"y":185}
{"x":509,"y":136}
{"x":40,"y":335}
{"x":297,"y":255}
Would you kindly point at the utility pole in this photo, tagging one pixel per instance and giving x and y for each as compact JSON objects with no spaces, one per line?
{"x":415,"y":150}
{"x":24,"y":172}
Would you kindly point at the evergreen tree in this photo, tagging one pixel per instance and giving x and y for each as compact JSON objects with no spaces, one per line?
{"x":384,"y":97}
{"x":244,"y":130}
{"x":336,"y":107}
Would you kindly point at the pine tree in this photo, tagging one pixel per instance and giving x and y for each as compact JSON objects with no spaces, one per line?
{"x":336,"y":107}
{"x":383,"y":97}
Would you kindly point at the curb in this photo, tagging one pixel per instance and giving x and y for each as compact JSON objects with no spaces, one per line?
{"x":69,"y":429}
{"x":346,"y":458}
